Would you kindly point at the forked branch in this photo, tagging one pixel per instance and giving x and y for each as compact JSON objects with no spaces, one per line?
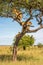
{"x":35,"y":30}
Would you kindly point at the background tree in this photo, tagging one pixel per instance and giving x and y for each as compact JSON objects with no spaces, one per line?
{"x":31,"y":42}
{"x":26,"y":41}
{"x":40,"y":45}
{"x":32,"y":9}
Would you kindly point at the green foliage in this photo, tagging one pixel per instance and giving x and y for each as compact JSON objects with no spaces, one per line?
{"x":31,"y":42}
{"x":7,"y":5}
{"x":26,"y":40}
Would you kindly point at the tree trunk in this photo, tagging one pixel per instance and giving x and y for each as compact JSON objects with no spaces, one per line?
{"x":18,"y":37}
{"x":14,"y":52}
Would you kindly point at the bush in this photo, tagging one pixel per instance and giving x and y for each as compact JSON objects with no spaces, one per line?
{"x":40,"y":45}
{"x":26,"y":41}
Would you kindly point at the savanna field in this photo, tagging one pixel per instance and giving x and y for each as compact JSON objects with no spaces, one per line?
{"x":30,"y":56}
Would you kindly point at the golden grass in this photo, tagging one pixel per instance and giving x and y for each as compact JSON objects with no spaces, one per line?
{"x":31,"y":56}
{"x":5,"y":50}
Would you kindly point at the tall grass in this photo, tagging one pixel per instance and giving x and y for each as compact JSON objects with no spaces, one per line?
{"x":31,"y":56}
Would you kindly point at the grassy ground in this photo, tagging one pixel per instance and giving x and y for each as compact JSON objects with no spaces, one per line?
{"x":31,"y":56}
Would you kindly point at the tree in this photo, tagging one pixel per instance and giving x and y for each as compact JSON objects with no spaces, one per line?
{"x":21,"y":7}
{"x":31,"y":40}
{"x":40,"y":45}
{"x":26,"y":41}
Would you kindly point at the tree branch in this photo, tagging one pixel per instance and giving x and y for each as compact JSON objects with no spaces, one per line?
{"x":35,"y":30}
{"x":28,"y":20}
{"x":17,"y":21}
{"x":39,"y":20}
{"x":11,"y":16}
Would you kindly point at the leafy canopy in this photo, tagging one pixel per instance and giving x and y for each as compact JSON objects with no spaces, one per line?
{"x":26,"y":40}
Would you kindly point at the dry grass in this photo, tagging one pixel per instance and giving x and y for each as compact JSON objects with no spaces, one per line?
{"x":5,"y":50}
{"x":31,"y":56}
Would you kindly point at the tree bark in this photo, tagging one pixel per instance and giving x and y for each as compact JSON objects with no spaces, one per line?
{"x":18,"y":37}
{"x":14,"y":52}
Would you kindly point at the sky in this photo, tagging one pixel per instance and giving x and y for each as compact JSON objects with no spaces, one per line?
{"x":9,"y":29}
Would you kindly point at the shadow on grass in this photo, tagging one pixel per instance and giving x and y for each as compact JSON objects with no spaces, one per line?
{"x":19,"y":58}
{"x":5,"y":57}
